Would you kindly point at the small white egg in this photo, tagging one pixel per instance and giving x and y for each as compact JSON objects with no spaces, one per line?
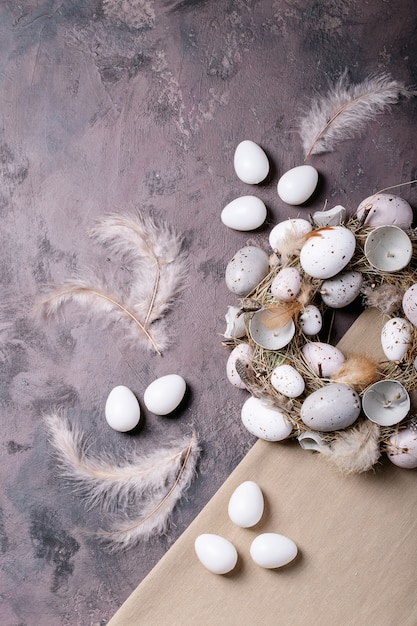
{"x":246,"y":269}
{"x":327,"y":252}
{"x":246,"y":504}
{"x":271,"y":550}
{"x":323,"y":358}
{"x":235,"y":323}
{"x":402,"y":448}
{"x":383,"y":209}
{"x":165,"y":394}
{"x":250,"y":162}
{"x":286,"y":380}
{"x":291,"y":228}
{"x":310,"y":320}
{"x":286,"y":284}
{"x":244,"y":213}
{"x":263,"y":422}
{"x":216,"y":553}
{"x":410,"y":304}
{"x":342,"y":289}
{"x":242,"y":352}
{"x":122,"y":410}
{"x":333,"y":407}
{"x":298,"y":184}
{"x":396,"y":336}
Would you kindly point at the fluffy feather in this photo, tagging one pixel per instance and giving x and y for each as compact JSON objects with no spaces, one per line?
{"x":99,"y":301}
{"x":358,"y":371}
{"x":387,"y":298}
{"x":346,"y":109}
{"x":154,"y":482}
{"x":356,"y":449}
{"x":157,"y":254}
{"x":254,"y":386}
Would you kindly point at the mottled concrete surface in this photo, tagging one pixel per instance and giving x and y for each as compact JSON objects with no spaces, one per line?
{"x":108,"y":105}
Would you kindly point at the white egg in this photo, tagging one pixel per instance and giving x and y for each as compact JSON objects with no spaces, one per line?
{"x":298,"y":184}
{"x":246,"y":269}
{"x":410,"y":304}
{"x":383,"y":209}
{"x":402,"y":448}
{"x":271,"y":550}
{"x":342,"y":289}
{"x":246,"y":504}
{"x":165,"y":394}
{"x":323,"y":358}
{"x":235,"y":323}
{"x":264,"y":422}
{"x":330,"y":408}
{"x":327,"y":252}
{"x":291,"y":228}
{"x":244,"y":213}
{"x":332,"y":217}
{"x":122,"y":409}
{"x":242,"y":352}
{"x":286,"y":284}
{"x":216,"y":553}
{"x":250,"y":162}
{"x":286,"y":380}
{"x":310,"y":320}
{"x":396,"y":336}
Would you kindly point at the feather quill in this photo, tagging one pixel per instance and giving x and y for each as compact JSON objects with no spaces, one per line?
{"x":346,"y":109}
{"x":154,"y":483}
{"x":157,"y":254}
{"x":355,"y":450}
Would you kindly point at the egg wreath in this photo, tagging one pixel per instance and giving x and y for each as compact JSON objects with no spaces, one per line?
{"x":350,"y":409}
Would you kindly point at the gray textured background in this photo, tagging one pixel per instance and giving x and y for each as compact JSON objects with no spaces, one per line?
{"x":114,"y":104}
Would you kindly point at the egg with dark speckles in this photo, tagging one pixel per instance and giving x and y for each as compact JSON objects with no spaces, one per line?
{"x":402,"y":448}
{"x":396,"y":336}
{"x":246,"y":270}
{"x":333,"y":407}
{"x":342,"y":289}
{"x":264,"y":422}
{"x":383,"y":209}
{"x":327,"y":251}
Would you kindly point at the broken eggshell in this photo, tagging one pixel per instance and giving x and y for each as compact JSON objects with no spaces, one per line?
{"x":270,"y":338}
{"x":342,"y":289}
{"x":265,"y":422}
{"x":235,"y":323}
{"x":333,"y":407}
{"x":388,"y":248}
{"x":396,"y":335}
{"x":327,"y":251}
{"x":286,"y":284}
{"x":383,"y":209}
{"x":332,"y":217}
{"x":286,"y":380}
{"x":310,"y":320}
{"x":243,"y":352}
{"x":323,"y":358}
{"x":402,"y":448}
{"x":246,"y":270}
{"x":386,"y":402}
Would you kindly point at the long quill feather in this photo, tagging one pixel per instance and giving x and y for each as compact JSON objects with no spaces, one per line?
{"x":153,"y":482}
{"x":346,"y":109}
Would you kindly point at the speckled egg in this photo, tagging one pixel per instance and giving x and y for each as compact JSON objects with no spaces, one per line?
{"x":286,"y":284}
{"x":330,"y":408}
{"x":286,"y":380}
{"x":402,"y":448}
{"x":384,"y":209}
{"x":310,"y":320}
{"x":396,"y":335}
{"x":246,"y":270}
{"x":296,"y":227}
{"x":243,"y":352}
{"x":327,"y":251}
{"x":410,"y":304}
{"x":264,"y":422}
{"x":250,"y":162}
{"x":298,"y":184}
{"x":323,"y":358}
{"x":342,"y":289}
{"x":244,"y":213}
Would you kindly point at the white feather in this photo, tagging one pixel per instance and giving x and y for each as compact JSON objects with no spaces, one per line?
{"x":355,"y":449}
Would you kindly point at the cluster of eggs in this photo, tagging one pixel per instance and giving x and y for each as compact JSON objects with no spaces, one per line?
{"x":327,"y":248}
{"x":269,"y":550}
{"x":161,"y":397}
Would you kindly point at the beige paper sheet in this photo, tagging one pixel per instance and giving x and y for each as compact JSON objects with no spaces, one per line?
{"x":357,"y":539}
